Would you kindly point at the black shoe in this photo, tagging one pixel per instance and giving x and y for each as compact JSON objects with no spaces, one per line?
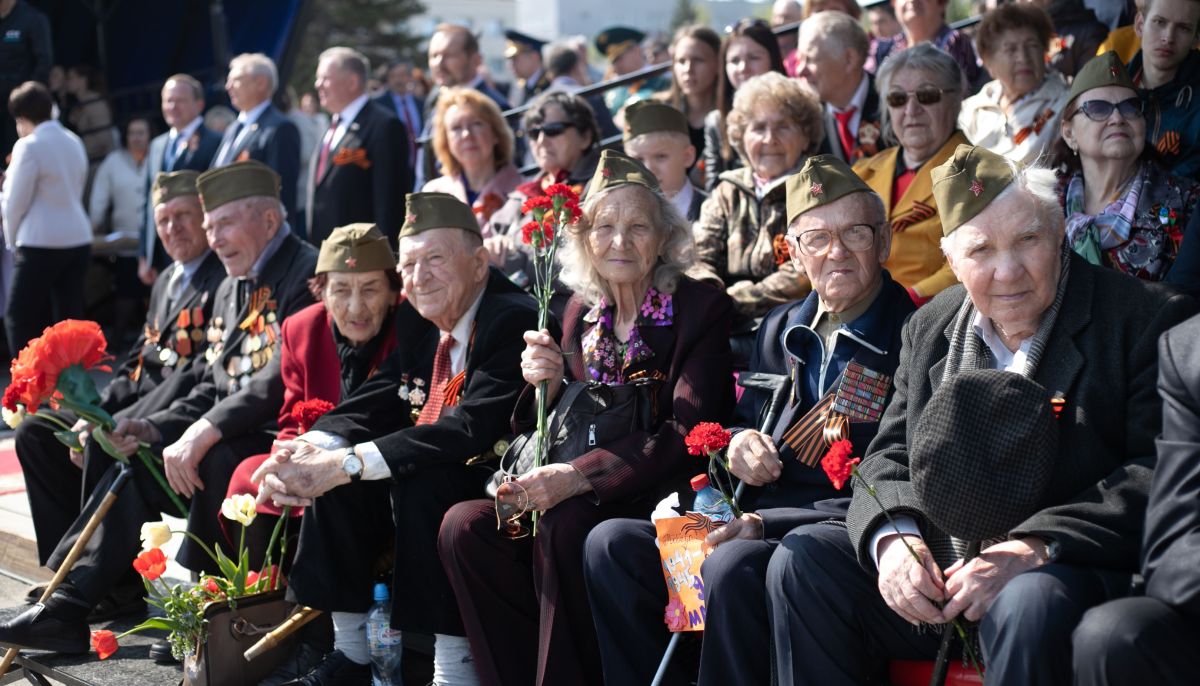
{"x":47,"y":628}
{"x":34,"y":594}
{"x":160,"y":652}
{"x":120,"y":602}
{"x":335,"y":670}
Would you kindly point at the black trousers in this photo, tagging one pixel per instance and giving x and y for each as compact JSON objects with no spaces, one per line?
{"x":1136,"y":641}
{"x":47,"y":287}
{"x":116,"y":542}
{"x":345,"y":531}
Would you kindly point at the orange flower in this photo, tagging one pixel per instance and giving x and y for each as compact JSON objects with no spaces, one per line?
{"x":104,"y":642}
{"x":36,"y":369}
{"x":151,"y":564}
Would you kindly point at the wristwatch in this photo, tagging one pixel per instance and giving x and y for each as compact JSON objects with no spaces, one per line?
{"x":352,"y":464}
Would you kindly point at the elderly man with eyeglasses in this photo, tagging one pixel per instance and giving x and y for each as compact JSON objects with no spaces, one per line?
{"x":842,"y":340}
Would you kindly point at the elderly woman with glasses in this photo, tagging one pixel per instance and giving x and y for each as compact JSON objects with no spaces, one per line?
{"x":922,"y":89}
{"x":633,"y":316}
{"x":1123,"y":209}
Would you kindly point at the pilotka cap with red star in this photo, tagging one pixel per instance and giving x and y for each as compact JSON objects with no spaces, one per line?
{"x":967,"y":182}
{"x":356,"y":248}
{"x":822,"y":180}
{"x":425,"y":211}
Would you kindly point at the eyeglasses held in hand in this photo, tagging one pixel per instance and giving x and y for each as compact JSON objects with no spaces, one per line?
{"x":926,"y":95}
{"x":555,"y":128}
{"x":1100,"y":110}
{"x":817,"y":242}
{"x":511,"y":505}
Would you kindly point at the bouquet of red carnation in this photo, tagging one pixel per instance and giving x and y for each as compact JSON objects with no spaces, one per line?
{"x":53,"y":369}
{"x":558,"y":208}
{"x":307,"y":412}
{"x":709,"y":439}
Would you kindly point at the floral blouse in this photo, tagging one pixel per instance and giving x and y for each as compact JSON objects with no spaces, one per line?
{"x":605,"y":358}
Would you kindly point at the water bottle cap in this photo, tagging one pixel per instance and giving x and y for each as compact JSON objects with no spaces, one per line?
{"x":699,"y":482}
{"x":381,"y":592}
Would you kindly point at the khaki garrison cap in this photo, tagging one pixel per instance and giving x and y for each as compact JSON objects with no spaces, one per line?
{"x":822,"y":180}
{"x":1105,"y":70}
{"x":357,"y":248}
{"x":425,"y":211}
{"x":964,"y":184}
{"x":648,"y":116}
{"x":617,"y":169}
{"x":248,"y":179}
{"x":171,"y":185}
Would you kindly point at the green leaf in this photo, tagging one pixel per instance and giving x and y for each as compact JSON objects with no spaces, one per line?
{"x":77,"y":386}
{"x":101,"y":437}
{"x":69,"y":439}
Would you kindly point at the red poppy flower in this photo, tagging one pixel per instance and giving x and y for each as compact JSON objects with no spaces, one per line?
{"x":705,"y":438}
{"x":542,"y":202}
{"x":151,"y":564}
{"x":837,"y":463}
{"x":307,"y":412}
{"x":104,"y":642}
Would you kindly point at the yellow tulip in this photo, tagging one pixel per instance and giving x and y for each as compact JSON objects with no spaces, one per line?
{"x":239,"y":508}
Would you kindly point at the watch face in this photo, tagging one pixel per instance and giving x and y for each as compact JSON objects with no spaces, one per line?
{"x":351,"y":464}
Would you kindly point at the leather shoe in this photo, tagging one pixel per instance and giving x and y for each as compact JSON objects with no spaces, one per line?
{"x":335,"y":670}
{"x":45,"y":628}
{"x":160,"y":652}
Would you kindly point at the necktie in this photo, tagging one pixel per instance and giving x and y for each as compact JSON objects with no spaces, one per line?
{"x":175,"y":286}
{"x":226,"y":156}
{"x":843,"y":126}
{"x":243,"y":294}
{"x":326,"y":146}
{"x":169,"y":153}
{"x":437,"y":385}
{"x":407,"y":118}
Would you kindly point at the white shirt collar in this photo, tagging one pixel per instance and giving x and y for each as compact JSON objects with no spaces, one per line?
{"x":188,"y":130}
{"x":857,"y":101}
{"x":250,"y":116}
{"x":350,"y":112}
{"x":683,"y":199}
{"x":1006,"y":360}
{"x":462,"y":335}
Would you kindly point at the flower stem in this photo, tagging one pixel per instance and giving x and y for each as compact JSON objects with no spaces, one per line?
{"x":46,"y":416}
{"x":271,"y":543}
{"x":148,"y":459}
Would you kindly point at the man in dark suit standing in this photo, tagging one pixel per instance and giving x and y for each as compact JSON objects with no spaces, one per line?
{"x":524,"y":55}
{"x":360,"y":169}
{"x":829,"y":58}
{"x":408,"y":109}
{"x":261,"y":131}
{"x":189,"y":144}
{"x":456,"y":374}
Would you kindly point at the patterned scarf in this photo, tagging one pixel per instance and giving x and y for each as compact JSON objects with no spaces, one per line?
{"x":1089,"y":235}
{"x":605,"y":358}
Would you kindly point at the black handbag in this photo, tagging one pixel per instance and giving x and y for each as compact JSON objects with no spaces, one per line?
{"x":588,"y":415}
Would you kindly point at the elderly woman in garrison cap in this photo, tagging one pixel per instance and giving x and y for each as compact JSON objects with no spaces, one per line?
{"x":331,"y":347}
{"x":839,"y":235}
{"x":633,"y":317}
{"x":1088,"y":336}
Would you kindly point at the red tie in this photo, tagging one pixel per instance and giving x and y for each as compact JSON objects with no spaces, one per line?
{"x":437,"y":386}
{"x":326,"y":144}
{"x":843,"y":125}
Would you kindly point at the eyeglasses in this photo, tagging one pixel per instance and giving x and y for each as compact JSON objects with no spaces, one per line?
{"x":511,"y":506}
{"x":1100,"y":110}
{"x":555,"y":128}
{"x":926,"y":95}
{"x":817,"y":242}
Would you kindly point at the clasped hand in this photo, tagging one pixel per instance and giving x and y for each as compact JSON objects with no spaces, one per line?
{"x":296,"y":472}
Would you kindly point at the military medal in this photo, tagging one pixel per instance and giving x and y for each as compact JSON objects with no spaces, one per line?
{"x":861,"y":393}
{"x":183,"y":343}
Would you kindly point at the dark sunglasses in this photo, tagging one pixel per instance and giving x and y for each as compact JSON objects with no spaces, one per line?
{"x":926,"y":95}
{"x":556,"y":128}
{"x":1100,"y":110}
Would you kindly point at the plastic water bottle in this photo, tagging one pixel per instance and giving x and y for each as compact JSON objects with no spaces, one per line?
{"x":708,"y":501}
{"x":383,"y":641}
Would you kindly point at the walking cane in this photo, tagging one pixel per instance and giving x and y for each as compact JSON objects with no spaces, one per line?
{"x":302,"y":616}
{"x":76,"y":550}
{"x":779,"y":386}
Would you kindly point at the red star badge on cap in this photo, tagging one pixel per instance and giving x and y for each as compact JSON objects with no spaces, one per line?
{"x":817,"y":189}
{"x":606,"y":172}
{"x":351,"y":262}
{"x":411,"y":218}
{"x":976,"y":187}
{"x":1113,"y":70}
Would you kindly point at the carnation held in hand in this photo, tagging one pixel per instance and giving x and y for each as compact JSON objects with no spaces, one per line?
{"x":155,"y":535}
{"x":239,"y":508}
{"x":705,"y":438}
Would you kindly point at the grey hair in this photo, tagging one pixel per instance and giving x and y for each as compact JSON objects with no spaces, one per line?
{"x":258,"y":64}
{"x":837,"y":30}
{"x":775,"y":89}
{"x":261,"y":203}
{"x":676,"y":252}
{"x":924,"y":57}
{"x":1040,"y":184}
{"x":349,"y":59}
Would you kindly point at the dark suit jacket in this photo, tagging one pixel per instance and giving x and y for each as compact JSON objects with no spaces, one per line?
{"x":867,"y":138}
{"x":376,"y":411}
{"x":1102,"y":357}
{"x":252,"y":404}
{"x":273,"y":140}
{"x":197,"y":156}
{"x":362,"y":189}
{"x":416,"y":106}
{"x":1171,"y":548}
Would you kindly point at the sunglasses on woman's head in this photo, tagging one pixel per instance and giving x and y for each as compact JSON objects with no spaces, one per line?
{"x":926,"y":95}
{"x":1100,"y":110}
{"x":556,"y":128}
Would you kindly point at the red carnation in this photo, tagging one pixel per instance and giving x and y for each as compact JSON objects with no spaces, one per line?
{"x":562,"y":190}
{"x":36,"y":369}
{"x":541,"y":202}
{"x":572,"y":206}
{"x":104,"y":642}
{"x":151,"y":564}
{"x":307,"y":412}
{"x":837,"y":463}
{"x":705,"y":438}
{"x":537,"y":235}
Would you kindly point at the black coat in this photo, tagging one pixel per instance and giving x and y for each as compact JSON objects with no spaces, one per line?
{"x":358,"y":188}
{"x":1101,"y":356}
{"x":197,"y":156}
{"x":242,"y":403}
{"x":273,"y":140}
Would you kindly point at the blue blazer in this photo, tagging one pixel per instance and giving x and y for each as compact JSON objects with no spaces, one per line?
{"x":273,"y":140}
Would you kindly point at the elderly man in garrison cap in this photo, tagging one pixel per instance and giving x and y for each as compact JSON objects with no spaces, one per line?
{"x":408,"y":444}
{"x":224,"y":407}
{"x":1088,"y":336}
{"x":622,"y":49}
{"x":839,"y":345}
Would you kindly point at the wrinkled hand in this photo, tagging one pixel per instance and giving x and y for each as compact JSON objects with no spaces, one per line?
{"x":542,"y":360}
{"x":128,"y":433}
{"x":749,"y":526}
{"x":146,"y":273}
{"x":909,"y":587}
{"x":297,"y":472}
{"x":973,"y":586}
{"x":83,"y":428}
{"x":497,"y":247}
{"x":753,"y":458}
{"x":549,"y":485}
{"x":181,"y":459}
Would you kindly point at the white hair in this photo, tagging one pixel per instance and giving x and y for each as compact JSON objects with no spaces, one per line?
{"x":837,"y":31}
{"x":258,"y":64}
{"x":1040,"y":185}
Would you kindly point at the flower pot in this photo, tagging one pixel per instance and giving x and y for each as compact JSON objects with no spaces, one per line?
{"x":218,"y":661}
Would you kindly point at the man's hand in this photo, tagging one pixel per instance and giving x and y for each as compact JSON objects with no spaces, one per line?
{"x":297,"y":472}
{"x":542,"y":360}
{"x":753,"y":458}
{"x":146,"y":273}
{"x":973,"y":586}
{"x":749,"y":526}
{"x":181,"y":459}
{"x":82,"y":428}
{"x":909,"y":587}
{"x":550,"y":485}
{"x":128,"y":433}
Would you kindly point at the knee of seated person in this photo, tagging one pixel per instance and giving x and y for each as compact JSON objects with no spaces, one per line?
{"x":799,"y":555}
{"x":602,"y":549}
{"x":726,"y":569}
{"x":1107,"y":631}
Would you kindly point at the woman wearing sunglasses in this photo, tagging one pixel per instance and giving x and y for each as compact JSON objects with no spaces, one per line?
{"x":1124,"y":210}
{"x":922,"y":91}
{"x":1016,"y":115}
